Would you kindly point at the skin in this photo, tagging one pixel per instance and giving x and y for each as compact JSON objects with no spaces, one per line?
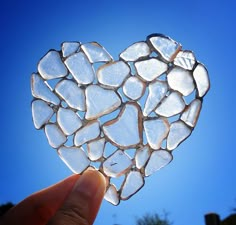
{"x":73,"y":201}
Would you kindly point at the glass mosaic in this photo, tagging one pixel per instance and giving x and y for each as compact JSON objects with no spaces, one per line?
{"x":117,"y":115}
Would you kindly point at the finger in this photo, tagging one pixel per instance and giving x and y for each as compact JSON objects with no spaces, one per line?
{"x":38,"y":208}
{"x":82,"y":204}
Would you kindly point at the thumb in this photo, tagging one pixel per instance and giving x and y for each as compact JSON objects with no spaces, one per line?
{"x":82,"y":204}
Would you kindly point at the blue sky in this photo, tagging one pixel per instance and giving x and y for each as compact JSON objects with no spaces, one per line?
{"x":201,"y":178}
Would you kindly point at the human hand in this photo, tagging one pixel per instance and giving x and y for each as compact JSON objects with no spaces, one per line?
{"x":73,"y":201}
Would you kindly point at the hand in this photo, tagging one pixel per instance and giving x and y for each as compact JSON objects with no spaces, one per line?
{"x":73,"y":201}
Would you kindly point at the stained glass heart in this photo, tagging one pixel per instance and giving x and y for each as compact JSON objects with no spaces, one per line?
{"x":122,"y":117}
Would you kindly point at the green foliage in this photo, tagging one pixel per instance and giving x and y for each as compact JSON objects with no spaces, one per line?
{"x":153,"y":219}
{"x":5,"y":207}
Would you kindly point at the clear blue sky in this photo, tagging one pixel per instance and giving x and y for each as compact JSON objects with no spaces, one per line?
{"x":202,"y":176}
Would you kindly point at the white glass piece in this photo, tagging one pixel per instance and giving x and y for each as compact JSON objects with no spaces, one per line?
{"x":125,"y":131}
{"x":133,"y":182}
{"x":72,"y":94}
{"x":41,"y":113}
{"x":150,"y":69}
{"x":191,"y":113}
{"x":200,"y":75}
{"x":133,"y":88}
{"x":171,"y":105}
{"x":69,"y":48}
{"x":96,"y":149}
{"x":181,"y":80}
{"x":113,"y":74}
{"x":185,"y":59}
{"x":100,"y":101}
{"x":135,"y":51}
{"x":157,"y":91}
{"x":40,"y":90}
{"x":117,"y":164}
{"x":54,"y":135}
{"x":141,"y":157}
{"x":80,"y":68}
{"x":158,"y":160}
{"x":179,"y":131}
{"x":68,"y":121}
{"x":51,"y":66}
{"x":167,"y":47}
{"x":156,"y":131}
{"x":87,"y":133}
{"x":95,"y":52}
{"x":75,"y":158}
{"x":112,"y":195}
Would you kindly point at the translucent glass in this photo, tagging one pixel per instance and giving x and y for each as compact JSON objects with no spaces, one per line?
{"x":135,"y":51}
{"x":68,"y":48}
{"x":125,"y":131}
{"x":185,"y":59}
{"x":171,"y":105}
{"x":117,"y":164}
{"x":80,"y":68}
{"x":72,"y":94}
{"x":161,"y":128}
{"x":96,"y":53}
{"x":200,"y":75}
{"x":133,"y":88}
{"x":51,"y":66}
{"x":41,"y":113}
{"x":87,"y":133}
{"x":181,"y":80}
{"x":150,"y":69}
{"x":108,"y":101}
{"x":157,"y":91}
{"x":123,"y":118}
{"x":164,"y":45}
{"x":113,"y":74}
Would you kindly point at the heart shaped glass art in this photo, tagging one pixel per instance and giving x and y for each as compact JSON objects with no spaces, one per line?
{"x":122,"y":117}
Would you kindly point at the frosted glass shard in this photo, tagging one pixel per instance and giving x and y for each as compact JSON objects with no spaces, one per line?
{"x":80,"y":68}
{"x":157,"y":91}
{"x":117,"y":164}
{"x":135,"y":51}
{"x":181,"y":80}
{"x":51,"y":66}
{"x":100,"y":101}
{"x":200,"y":75}
{"x":87,"y":133}
{"x":69,"y":48}
{"x":68,"y":121}
{"x":156,"y":131}
{"x":167,"y":47}
{"x":112,"y":195}
{"x":40,"y":90}
{"x":95,"y":52}
{"x":191,"y":113}
{"x":54,"y":135}
{"x":133,"y":182}
{"x":158,"y":160}
{"x":113,"y":74}
{"x":72,"y":94}
{"x":75,"y":158}
{"x":125,"y":131}
{"x":96,"y":148}
{"x":141,"y":157}
{"x":133,"y":88}
{"x":171,"y":105}
{"x":185,"y":59}
{"x":41,"y":113}
{"x":178,"y":133}
{"x":150,"y":69}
